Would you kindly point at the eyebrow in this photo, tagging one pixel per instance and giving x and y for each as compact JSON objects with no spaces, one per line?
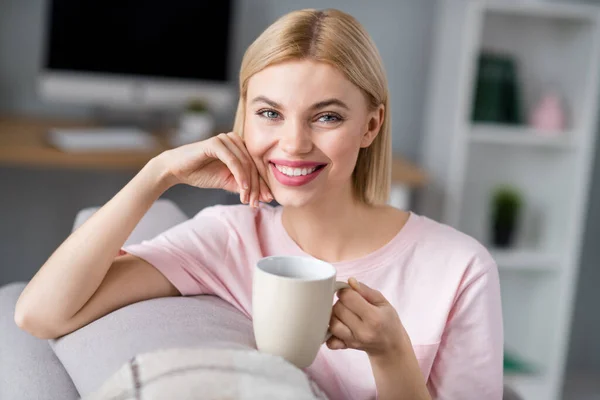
{"x":316,"y":106}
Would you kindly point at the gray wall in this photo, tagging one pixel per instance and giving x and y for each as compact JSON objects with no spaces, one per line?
{"x":584,"y":348}
{"x":37,"y":206}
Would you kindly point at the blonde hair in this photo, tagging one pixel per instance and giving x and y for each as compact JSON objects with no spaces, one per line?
{"x":337,"y":38}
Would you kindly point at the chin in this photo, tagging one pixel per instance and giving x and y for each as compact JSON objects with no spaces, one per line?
{"x":291,"y":198}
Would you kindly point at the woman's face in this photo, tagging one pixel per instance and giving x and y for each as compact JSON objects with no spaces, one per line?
{"x":305,"y":124}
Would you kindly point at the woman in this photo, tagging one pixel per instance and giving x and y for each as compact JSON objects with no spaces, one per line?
{"x":312,"y":131}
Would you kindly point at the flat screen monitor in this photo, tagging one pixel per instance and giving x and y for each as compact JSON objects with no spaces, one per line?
{"x":145,"y":53}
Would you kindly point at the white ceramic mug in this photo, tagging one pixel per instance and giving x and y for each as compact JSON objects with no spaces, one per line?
{"x":292,"y":298}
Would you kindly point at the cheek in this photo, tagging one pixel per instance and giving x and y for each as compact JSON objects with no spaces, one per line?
{"x":258,"y":141}
{"x":343,"y":150}
{"x":254,"y":138}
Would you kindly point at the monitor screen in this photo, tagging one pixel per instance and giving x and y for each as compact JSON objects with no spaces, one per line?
{"x":180,"y":39}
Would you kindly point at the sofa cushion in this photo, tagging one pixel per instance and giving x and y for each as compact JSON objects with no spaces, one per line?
{"x":193,"y":373}
{"x":93,"y":353}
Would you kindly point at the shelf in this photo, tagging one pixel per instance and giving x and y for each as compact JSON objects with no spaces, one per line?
{"x":521,"y":376}
{"x":525,"y":260}
{"x":528,"y":386}
{"x":519,"y":136}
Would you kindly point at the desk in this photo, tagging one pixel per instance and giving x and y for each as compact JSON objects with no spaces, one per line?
{"x":22,"y":143}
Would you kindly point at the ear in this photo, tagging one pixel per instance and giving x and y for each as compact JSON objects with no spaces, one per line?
{"x":374,"y":122}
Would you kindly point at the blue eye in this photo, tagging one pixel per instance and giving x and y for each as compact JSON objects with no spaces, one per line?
{"x":269,"y":114}
{"x":329,"y":118}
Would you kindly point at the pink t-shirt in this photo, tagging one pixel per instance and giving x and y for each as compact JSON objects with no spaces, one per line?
{"x":443,"y":284}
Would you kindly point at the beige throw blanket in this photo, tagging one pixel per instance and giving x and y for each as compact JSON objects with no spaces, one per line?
{"x":205,"y":373}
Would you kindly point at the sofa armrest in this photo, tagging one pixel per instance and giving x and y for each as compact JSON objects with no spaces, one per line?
{"x":94,"y":352}
{"x":29,"y":369}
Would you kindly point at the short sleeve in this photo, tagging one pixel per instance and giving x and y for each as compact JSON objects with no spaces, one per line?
{"x":189,"y":253}
{"x":469,"y":363}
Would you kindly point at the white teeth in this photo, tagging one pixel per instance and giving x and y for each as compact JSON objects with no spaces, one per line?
{"x":289,"y":171}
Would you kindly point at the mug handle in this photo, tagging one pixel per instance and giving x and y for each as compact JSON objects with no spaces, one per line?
{"x":339,"y":285}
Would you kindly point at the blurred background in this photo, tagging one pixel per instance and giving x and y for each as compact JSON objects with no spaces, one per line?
{"x":494,"y":108}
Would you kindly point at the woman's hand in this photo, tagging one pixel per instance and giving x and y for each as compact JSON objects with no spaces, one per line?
{"x":220,"y":162}
{"x":363,"y":319}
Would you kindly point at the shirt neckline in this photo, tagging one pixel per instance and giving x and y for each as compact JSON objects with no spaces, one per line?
{"x":393,"y":248}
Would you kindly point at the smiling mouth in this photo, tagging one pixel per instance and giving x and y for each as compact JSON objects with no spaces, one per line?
{"x":292,"y":171}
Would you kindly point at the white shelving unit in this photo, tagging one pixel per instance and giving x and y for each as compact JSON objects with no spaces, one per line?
{"x":551,"y":42}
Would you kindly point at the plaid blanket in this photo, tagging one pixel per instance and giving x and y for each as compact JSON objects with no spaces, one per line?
{"x":203,"y":373}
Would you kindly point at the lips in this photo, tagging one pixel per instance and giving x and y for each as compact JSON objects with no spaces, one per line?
{"x":295,"y":173}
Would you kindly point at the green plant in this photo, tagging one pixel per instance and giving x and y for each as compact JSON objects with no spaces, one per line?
{"x":507,"y":203}
{"x":196,"y":106}
{"x":516,"y":365}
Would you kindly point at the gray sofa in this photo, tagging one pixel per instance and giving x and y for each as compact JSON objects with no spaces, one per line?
{"x":77,"y":364}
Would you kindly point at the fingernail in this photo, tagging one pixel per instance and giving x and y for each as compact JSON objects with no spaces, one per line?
{"x":255,"y":203}
{"x":245,"y":185}
{"x":354,"y":282}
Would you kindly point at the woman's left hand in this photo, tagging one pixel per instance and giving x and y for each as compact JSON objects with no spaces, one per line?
{"x":363,"y":319}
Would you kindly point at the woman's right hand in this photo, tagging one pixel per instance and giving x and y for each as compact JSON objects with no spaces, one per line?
{"x":220,"y":162}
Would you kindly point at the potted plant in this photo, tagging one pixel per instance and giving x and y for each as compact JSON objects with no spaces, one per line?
{"x":195,"y":124}
{"x":506,"y":212}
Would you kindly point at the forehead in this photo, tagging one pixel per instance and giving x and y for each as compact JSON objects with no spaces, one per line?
{"x":302,"y":83}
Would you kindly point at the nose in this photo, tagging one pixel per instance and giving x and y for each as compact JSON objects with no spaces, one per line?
{"x":296,"y":139}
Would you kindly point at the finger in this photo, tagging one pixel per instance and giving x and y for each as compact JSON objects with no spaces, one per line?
{"x":371,"y":295}
{"x":336,"y":344}
{"x":254,"y":195}
{"x":256,"y":175}
{"x":340,"y":330}
{"x":255,"y":188}
{"x":356,"y":303}
{"x":265,"y":193}
{"x":231,"y":161}
{"x":239,"y":142}
{"x":244,"y":160}
{"x":347,"y":316}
